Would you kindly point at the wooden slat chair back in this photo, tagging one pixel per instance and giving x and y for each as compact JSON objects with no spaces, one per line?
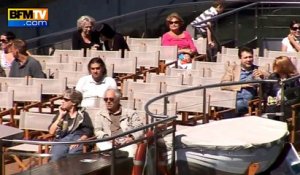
{"x":72,"y":77}
{"x":145,"y":41}
{"x":123,"y":65}
{"x":26,"y":93}
{"x":31,"y":123}
{"x":201,"y":45}
{"x":167,"y":55}
{"x":265,"y":63}
{"x":211,"y":69}
{"x":7,"y":107}
{"x":142,"y":95}
{"x":7,"y":70}
{"x":202,"y":81}
{"x":139,"y":86}
{"x":104,"y":54}
{"x":234,"y":51}
{"x":228,"y":59}
{"x":160,"y":78}
{"x":130,"y":104}
{"x":144,"y":59}
{"x":274,"y":54}
{"x":7,"y":81}
{"x":226,"y":100}
{"x":83,"y":60}
{"x":51,"y":59}
{"x":191,"y":108}
{"x":137,"y":47}
{"x":50,"y":86}
{"x":171,"y":88}
{"x":69,"y":53}
{"x":171,"y":71}
{"x":157,"y":107}
{"x":60,"y":66}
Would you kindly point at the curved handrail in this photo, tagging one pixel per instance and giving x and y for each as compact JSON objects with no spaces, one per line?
{"x":198,"y":88}
{"x":117,"y":17}
{"x":113,"y":149}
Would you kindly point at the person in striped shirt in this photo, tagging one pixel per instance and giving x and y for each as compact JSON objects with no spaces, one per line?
{"x":203,"y":28}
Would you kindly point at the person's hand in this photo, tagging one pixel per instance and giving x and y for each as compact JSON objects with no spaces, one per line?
{"x":291,"y":37}
{"x":74,"y":146}
{"x":211,"y":44}
{"x":95,"y":46}
{"x":257,"y":74}
{"x":62,"y":112}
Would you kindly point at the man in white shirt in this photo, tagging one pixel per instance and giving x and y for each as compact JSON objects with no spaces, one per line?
{"x":93,"y":86}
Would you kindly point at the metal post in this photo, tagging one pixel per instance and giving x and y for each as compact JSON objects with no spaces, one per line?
{"x":165,"y":105}
{"x":173,"y":168}
{"x":236,"y":35}
{"x":2,"y":158}
{"x":260,"y":95}
{"x":113,"y":154}
{"x":155,"y":152}
{"x":282,"y":101}
{"x":205,"y":117}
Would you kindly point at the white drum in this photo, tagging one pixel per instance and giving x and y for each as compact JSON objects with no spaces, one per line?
{"x":228,"y":146}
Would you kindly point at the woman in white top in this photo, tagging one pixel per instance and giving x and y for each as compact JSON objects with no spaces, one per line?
{"x":291,"y":42}
{"x":93,"y":86}
{"x":5,"y":55}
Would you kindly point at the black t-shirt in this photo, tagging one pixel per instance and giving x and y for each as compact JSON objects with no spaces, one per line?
{"x":78,"y":43}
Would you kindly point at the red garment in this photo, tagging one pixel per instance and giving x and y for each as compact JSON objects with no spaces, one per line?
{"x":182,"y":43}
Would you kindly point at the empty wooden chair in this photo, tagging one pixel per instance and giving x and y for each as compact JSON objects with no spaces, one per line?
{"x":201,"y":45}
{"x":31,"y":123}
{"x":7,"y":107}
{"x":226,"y":100}
{"x":167,"y":55}
{"x":274,"y":54}
{"x":160,"y":78}
{"x":104,"y":54}
{"x":130,"y":85}
{"x":69,"y":53}
{"x":145,"y":41}
{"x":146,"y":61}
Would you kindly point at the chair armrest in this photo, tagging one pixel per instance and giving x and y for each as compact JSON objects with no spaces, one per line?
{"x":295,"y":106}
{"x":46,"y":137}
{"x":37,"y":104}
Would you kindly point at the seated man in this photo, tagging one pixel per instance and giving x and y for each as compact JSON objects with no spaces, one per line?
{"x":115,"y":119}
{"x":70,"y":124}
{"x":94,"y":85}
{"x":23,"y":64}
{"x":246,"y":71}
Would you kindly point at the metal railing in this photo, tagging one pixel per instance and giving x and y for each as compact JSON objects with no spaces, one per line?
{"x":152,"y":126}
{"x":238,"y":24}
{"x":157,"y":119}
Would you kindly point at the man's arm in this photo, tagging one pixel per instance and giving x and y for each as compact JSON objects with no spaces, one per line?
{"x":98,"y":127}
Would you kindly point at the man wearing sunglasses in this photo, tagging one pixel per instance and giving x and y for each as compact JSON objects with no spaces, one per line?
{"x":116,"y":119}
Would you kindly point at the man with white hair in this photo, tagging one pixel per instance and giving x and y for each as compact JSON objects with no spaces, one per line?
{"x":115,"y":120}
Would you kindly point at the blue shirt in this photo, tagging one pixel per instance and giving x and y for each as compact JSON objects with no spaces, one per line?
{"x":249,"y":92}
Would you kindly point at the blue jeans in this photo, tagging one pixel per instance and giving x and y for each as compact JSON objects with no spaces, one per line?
{"x":61,"y":150}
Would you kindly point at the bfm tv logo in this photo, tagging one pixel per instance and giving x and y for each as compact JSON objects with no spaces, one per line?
{"x":27,"y":17}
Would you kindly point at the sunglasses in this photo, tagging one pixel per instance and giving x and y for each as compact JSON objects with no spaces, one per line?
{"x":174,"y":22}
{"x":295,"y":28}
{"x":3,"y":41}
{"x":66,"y":99}
{"x":108,"y":99}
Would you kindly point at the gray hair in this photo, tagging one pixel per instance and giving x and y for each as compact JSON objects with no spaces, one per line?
{"x":73,"y":95}
{"x":83,"y":19}
{"x":116,"y":91}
